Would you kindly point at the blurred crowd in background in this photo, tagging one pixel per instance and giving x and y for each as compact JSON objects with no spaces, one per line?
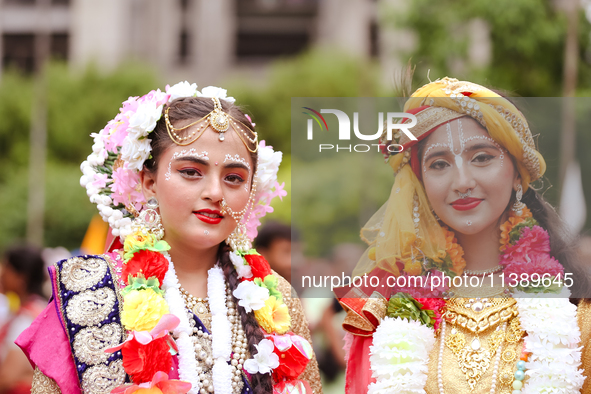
{"x":66,"y":66}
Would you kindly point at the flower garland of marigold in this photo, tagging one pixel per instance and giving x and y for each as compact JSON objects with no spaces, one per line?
{"x":454,"y":251}
{"x":147,"y":352}
{"x":509,"y":225}
{"x":451,"y":262}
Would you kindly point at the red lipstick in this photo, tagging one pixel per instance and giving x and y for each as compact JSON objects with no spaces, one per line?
{"x":209,"y":216}
{"x":465,"y":204}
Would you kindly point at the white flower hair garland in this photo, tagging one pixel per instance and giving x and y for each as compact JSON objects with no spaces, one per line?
{"x":111,"y":171}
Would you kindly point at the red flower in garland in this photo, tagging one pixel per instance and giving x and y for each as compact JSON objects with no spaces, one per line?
{"x":141,"y":362}
{"x":436,"y":305}
{"x":294,"y":353}
{"x":148,"y":263}
{"x":259,"y":266}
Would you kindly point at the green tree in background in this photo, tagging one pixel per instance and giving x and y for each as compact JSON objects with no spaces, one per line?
{"x":78,"y":105}
{"x":527,"y":38}
{"x":313,"y":74}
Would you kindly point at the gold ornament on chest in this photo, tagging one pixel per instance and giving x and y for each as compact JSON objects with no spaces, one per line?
{"x":480,"y":314}
{"x":474,"y":358}
{"x":471,"y":316}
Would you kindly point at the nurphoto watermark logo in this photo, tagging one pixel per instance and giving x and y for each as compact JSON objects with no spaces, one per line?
{"x":344,"y":132}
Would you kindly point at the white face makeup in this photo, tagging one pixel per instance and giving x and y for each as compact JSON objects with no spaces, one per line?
{"x":185,"y":153}
{"x":191,"y":188}
{"x":466,"y":179}
{"x":457,"y":152}
{"x":237,"y":159}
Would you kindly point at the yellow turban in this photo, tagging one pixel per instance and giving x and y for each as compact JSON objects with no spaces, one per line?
{"x":404,"y":236}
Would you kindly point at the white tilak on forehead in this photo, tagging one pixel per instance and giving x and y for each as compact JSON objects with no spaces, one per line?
{"x":463,"y":141}
{"x":236,"y":158}
{"x":191,"y":152}
{"x":457,"y":156}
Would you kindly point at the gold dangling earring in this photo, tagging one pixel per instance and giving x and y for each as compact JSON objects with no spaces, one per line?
{"x":238,"y":240}
{"x":518,"y":205}
{"x":148,"y":220}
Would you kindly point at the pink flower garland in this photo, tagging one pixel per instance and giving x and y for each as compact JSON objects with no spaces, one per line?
{"x":530,"y":254}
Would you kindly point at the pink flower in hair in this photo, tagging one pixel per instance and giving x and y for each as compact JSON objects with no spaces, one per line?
{"x":250,"y":120}
{"x":156,"y":96}
{"x":263,"y":207}
{"x":268,"y":187}
{"x":130,"y":105}
{"x":100,"y":181}
{"x":115,"y":132}
{"x":126,"y":187}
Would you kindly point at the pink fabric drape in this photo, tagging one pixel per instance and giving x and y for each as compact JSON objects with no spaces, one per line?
{"x":47,"y":347}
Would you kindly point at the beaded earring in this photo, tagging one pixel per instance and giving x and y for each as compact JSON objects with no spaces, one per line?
{"x":148,"y":220}
{"x":518,"y":205}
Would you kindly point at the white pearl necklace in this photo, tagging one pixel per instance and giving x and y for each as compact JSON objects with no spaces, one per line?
{"x":202,"y":342}
{"x":493,"y":386}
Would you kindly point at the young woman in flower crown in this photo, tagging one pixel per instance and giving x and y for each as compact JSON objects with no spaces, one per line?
{"x":462,"y":207}
{"x":180,"y":303}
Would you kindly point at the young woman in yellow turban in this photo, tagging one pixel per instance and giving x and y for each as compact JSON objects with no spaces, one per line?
{"x":475,"y":267}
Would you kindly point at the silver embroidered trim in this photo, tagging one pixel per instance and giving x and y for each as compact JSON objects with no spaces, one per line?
{"x":91,"y":306}
{"x":79,"y":274}
{"x":101,"y":379}
{"x":90,"y":343}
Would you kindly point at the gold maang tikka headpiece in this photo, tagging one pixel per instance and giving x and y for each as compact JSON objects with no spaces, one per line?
{"x":219,"y":121}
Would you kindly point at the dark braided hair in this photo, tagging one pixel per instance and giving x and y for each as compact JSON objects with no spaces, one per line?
{"x":261,"y":383}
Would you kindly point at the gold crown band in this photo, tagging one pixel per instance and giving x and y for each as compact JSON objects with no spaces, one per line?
{"x":219,"y":121}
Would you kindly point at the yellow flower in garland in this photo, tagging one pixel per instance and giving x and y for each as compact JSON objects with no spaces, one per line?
{"x":139,"y":240}
{"x":142,"y":309}
{"x":274,"y":316}
{"x":413,"y":268}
